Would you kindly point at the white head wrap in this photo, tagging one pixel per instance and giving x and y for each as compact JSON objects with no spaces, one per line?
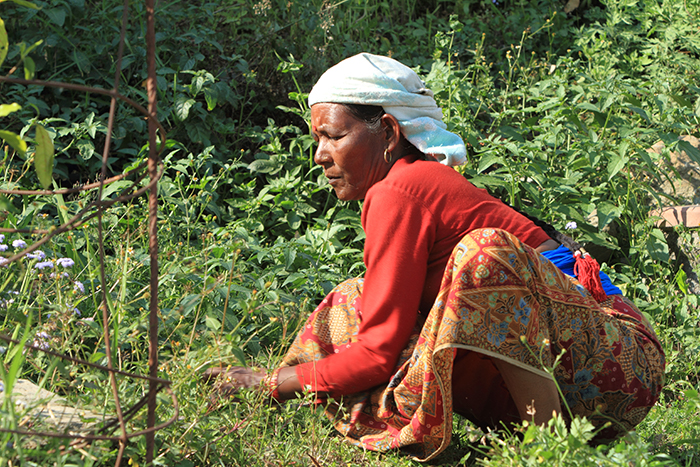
{"x":375,"y":80}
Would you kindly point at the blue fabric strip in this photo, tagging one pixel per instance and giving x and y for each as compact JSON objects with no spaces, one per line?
{"x":563,"y":258}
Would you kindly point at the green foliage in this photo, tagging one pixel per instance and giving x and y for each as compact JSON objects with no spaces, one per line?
{"x":557,"y":110}
{"x":560,"y":445}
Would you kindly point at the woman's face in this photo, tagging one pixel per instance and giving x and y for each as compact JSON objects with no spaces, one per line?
{"x":352,"y":157}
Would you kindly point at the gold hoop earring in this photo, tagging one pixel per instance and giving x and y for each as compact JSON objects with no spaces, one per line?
{"x":387,"y":159}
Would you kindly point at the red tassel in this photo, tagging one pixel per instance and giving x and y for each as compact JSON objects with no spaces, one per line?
{"x":587,"y":272}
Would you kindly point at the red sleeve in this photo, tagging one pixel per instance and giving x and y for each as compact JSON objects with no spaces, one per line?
{"x":400,"y":232}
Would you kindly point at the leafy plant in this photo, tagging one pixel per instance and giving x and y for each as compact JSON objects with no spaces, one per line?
{"x":558,"y":111}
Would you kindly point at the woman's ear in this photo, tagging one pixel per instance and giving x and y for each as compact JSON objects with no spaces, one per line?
{"x":392,"y":131}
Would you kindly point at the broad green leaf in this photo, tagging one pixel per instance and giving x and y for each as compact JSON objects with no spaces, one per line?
{"x":7,"y":109}
{"x":24,"y":3}
{"x":290,"y":254}
{"x":197,"y":84}
{"x":692,"y":395}
{"x":88,"y":123}
{"x":264,"y":166}
{"x":4,"y":44}
{"x":657,"y":247}
{"x":56,"y":15}
{"x":212,"y":323}
{"x":641,"y":112}
{"x":633,"y":100}
{"x":15,"y":141}
{"x":293,"y":220}
{"x":86,"y":148}
{"x":240,"y":355}
{"x":622,"y":150}
{"x":114,"y":187}
{"x":488,"y":161}
{"x":29,"y":68}
{"x":189,"y":303}
{"x":593,"y":135}
{"x":96,"y":357}
{"x":681,"y":278}
{"x":607,"y":212}
{"x":510,"y":132}
{"x":43,"y":157}
{"x":588,"y":106}
{"x":488,"y":181}
{"x":212,"y":98}
{"x":305,"y":208}
{"x":690,"y":150}
{"x":530,"y":434}
{"x":7,"y":206}
{"x":24,"y":51}
{"x":680,"y":100}
{"x":183,"y":106}
{"x":608,"y":101}
{"x":573,"y":118}
{"x":617,"y":163}
{"x":82,"y":60}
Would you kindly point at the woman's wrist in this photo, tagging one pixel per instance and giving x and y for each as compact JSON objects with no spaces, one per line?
{"x":270,"y":384}
{"x":283,"y":383}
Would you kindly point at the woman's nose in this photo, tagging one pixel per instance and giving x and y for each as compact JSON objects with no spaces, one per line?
{"x":321,"y":156}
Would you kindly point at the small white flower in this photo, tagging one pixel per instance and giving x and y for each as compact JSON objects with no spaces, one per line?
{"x":571,"y":225}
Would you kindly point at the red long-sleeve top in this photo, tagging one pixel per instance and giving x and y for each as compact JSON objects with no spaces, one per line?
{"x":412,"y":219}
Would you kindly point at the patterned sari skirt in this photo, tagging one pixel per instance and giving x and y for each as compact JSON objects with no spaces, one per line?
{"x":499,"y":299}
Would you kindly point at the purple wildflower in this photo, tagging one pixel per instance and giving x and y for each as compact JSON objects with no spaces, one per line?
{"x":65,"y":262}
{"x":78,"y":287}
{"x":571,"y":225}
{"x":3,"y":247}
{"x":2,"y":238}
{"x":44,"y":264}
{"x":42,"y":345}
{"x":19,"y":244}
{"x":38,"y":254}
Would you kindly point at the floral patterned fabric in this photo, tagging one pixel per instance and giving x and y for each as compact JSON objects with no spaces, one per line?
{"x":499,"y":299}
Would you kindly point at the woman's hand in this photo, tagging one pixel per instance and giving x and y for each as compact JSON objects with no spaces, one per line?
{"x":229,"y":380}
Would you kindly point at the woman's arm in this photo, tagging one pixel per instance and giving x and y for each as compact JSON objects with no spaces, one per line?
{"x":232,"y":379}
